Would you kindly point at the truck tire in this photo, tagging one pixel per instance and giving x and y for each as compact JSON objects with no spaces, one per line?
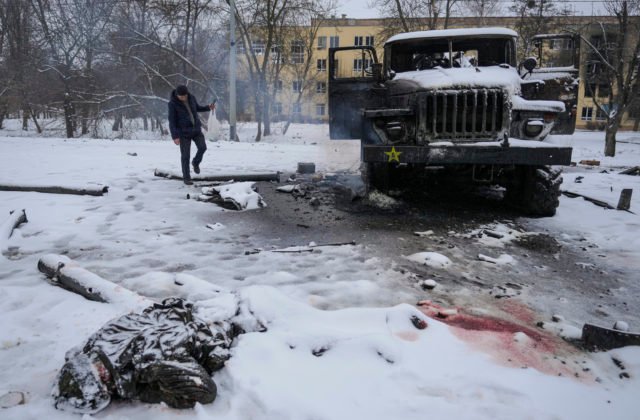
{"x":536,"y":190}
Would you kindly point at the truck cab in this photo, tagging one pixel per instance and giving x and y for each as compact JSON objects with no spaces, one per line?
{"x":455,"y":99}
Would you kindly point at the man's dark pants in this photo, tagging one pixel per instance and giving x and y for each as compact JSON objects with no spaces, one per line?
{"x":185,"y":152}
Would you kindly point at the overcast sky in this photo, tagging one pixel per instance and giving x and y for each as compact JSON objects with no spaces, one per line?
{"x":361,"y":9}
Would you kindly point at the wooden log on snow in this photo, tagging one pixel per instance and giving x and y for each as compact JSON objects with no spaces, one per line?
{"x":53,"y":189}
{"x":63,"y":272}
{"x":265,"y":176}
{"x":15,"y":219}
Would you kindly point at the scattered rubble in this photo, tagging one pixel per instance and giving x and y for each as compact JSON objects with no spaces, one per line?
{"x":631,"y":171}
{"x":429,"y":284}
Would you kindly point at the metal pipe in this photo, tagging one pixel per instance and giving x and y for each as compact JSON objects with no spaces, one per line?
{"x":232,"y":71}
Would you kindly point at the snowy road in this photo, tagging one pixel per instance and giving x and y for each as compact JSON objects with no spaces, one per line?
{"x":145,"y":234}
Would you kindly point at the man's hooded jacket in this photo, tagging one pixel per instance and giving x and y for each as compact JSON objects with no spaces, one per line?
{"x":181,"y":123}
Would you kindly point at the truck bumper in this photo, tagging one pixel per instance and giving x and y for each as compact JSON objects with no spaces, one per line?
{"x":471,"y":154}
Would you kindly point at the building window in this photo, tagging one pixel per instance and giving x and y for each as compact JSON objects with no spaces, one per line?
{"x":276,"y":108}
{"x":297,"y":86}
{"x":587,"y":113}
{"x":589,"y":90}
{"x":368,"y":40}
{"x":359,"y":64}
{"x":320,"y":110}
{"x":276,"y":54}
{"x":258,"y":47}
{"x":603,"y":91}
{"x":296,"y":108}
{"x":601,"y":116}
{"x":357,"y":41}
{"x":321,"y":87}
{"x":593,"y":68}
{"x":322,"y":42}
{"x":278,"y":85}
{"x":334,"y":41}
{"x":322,"y":64}
{"x":297,"y":52}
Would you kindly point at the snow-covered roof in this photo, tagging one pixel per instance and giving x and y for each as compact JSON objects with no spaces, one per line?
{"x":454,"y":33}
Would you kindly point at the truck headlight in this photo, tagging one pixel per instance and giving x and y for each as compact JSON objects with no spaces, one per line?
{"x":533,"y":128}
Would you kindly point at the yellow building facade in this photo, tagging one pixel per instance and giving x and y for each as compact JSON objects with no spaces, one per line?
{"x":312,"y":105}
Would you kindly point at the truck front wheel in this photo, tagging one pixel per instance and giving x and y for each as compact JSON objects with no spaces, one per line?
{"x":535,"y":190}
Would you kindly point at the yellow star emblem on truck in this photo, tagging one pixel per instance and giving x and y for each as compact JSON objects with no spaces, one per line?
{"x":393,"y":155}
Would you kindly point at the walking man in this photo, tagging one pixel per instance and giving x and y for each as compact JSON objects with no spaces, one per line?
{"x":185,"y":126}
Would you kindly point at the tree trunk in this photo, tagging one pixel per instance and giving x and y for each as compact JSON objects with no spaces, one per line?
{"x":85,"y":119}
{"x":286,"y":126}
{"x":160,"y":127}
{"x":266,"y":115}
{"x":610,"y":136}
{"x":66,"y":273}
{"x":145,"y":122}
{"x":259,"y":133}
{"x":636,"y":124}
{"x":3,"y":113}
{"x":93,"y":190}
{"x":35,"y":121}
{"x":117,"y":123}
{"x":25,"y":118}
{"x":68,"y":115}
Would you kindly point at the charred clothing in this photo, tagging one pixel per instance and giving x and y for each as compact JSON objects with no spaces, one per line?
{"x":164,"y":354}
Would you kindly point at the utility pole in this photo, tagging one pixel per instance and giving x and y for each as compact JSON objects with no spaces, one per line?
{"x":232,"y":72}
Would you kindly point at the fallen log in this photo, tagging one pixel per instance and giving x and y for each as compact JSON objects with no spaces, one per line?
{"x":15,"y":219}
{"x":595,"y":201}
{"x":265,"y":176}
{"x":52,"y":189}
{"x":63,"y":272}
{"x":601,"y":338}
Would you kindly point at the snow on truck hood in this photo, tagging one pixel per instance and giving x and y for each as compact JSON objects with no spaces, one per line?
{"x":486,"y":77}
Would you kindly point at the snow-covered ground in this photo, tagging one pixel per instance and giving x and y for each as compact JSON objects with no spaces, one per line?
{"x":351,"y":309}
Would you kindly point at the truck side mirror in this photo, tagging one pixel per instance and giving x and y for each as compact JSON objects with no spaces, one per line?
{"x":377,"y":72}
{"x":529,"y":63}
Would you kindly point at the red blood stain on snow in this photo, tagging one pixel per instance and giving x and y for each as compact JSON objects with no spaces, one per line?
{"x":407,"y":335}
{"x":510,"y":341}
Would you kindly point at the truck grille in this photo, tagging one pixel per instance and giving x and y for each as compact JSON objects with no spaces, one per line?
{"x":462,"y":115}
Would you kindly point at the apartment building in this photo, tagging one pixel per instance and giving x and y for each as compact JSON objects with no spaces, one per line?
{"x":304,"y":96}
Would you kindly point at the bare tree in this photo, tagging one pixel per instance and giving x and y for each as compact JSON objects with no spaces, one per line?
{"x":306,"y":72}
{"x":482,"y":8}
{"x":17,"y":32}
{"x":72,"y":30}
{"x":614,"y":59}
{"x":537,"y":17}
{"x":414,"y":15}
{"x":266,"y":29}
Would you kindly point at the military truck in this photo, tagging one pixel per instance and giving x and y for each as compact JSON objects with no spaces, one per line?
{"x":454,"y":104}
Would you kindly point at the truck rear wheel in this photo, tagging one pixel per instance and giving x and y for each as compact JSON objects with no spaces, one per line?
{"x":535,"y":190}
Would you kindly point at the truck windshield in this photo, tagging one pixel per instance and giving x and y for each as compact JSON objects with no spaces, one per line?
{"x":425,"y":54}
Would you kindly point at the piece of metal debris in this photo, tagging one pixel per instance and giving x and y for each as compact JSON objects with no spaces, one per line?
{"x":601,"y":338}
